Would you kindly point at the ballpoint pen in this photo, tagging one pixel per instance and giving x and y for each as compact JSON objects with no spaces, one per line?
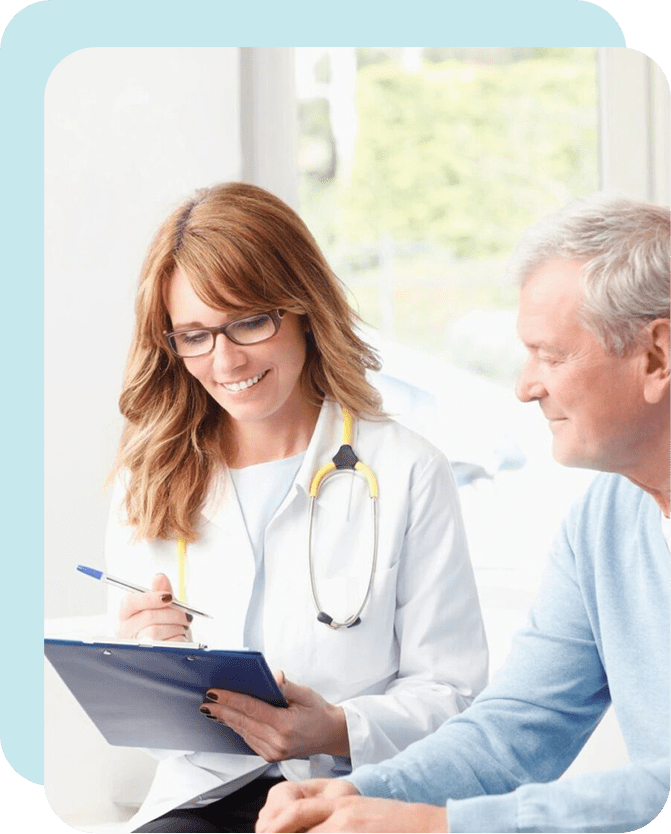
{"x":129,"y":586}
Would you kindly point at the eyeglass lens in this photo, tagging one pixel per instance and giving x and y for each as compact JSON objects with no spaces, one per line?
{"x":246,"y":332}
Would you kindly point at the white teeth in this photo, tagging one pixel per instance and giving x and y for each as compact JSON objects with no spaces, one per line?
{"x":240,"y":386}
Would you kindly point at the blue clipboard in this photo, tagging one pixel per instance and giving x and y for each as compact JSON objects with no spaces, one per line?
{"x":148,"y":695}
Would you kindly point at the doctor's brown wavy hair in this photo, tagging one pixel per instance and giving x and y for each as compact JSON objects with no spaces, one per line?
{"x":232,"y":241}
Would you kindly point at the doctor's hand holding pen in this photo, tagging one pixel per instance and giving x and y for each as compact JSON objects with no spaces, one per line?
{"x":151,"y":615}
{"x":308,"y":726}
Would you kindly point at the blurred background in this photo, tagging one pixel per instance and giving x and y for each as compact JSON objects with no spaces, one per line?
{"x":417,"y":169}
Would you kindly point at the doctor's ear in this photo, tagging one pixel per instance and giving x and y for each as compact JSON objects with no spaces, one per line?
{"x":657,"y":367}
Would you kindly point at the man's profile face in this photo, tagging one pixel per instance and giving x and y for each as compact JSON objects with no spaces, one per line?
{"x":592,"y":399}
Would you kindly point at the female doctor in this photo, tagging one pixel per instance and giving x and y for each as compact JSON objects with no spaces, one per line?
{"x":245,"y":378}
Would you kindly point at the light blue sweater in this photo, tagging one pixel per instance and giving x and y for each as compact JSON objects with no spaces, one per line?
{"x":598,"y":632}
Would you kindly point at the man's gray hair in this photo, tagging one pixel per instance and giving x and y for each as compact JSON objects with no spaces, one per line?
{"x":625,"y":246}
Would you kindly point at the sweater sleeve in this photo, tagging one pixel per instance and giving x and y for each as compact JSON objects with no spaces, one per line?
{"x":624,"y":799}
{"x":526,"y":727}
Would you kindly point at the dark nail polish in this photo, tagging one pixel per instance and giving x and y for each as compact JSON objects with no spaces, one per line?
{"x":205,"y":710}
{"x":213,"y":717}
{"x":212,"y":696}
{"x":166,"y":598}
{"x":189,"y":618}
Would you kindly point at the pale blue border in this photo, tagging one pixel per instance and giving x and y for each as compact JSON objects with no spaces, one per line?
{"x":35,"y":41}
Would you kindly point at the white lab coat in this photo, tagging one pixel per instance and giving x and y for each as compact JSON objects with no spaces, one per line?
{"x":419,"y":654}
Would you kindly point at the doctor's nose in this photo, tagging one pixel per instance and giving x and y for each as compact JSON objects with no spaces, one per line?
{"x":529,"y":387}
{"x":226,"y":355}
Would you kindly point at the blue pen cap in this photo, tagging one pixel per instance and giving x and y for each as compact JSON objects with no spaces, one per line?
{"x":96,"y":574}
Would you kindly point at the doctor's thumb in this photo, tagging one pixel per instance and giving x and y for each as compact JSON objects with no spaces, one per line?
{"x":160,"y":582}
{"x":280,"y":679}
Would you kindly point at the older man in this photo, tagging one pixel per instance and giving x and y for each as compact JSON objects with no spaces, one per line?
{"x":594,"y":317}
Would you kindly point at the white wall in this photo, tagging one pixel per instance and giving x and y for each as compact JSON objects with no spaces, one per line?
{"x":128,"y":134}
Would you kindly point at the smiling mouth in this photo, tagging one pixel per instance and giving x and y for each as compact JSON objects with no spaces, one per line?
{"x":244,"y":384}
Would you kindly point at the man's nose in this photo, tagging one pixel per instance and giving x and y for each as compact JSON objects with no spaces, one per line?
{"x":529,"y":386}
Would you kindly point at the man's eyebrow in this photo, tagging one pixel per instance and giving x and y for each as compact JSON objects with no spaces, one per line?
{"x":539,"y":344}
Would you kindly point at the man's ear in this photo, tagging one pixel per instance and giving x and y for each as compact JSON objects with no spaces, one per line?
{"x":656,"y":383}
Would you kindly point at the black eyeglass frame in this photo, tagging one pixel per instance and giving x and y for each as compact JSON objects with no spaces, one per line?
{"x":275,"y":315}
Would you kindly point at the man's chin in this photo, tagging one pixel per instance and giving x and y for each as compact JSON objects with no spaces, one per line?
{"x":573,"y":460}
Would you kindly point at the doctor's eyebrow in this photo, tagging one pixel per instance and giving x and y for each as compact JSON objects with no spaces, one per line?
{"x":187,"y":325}
{"x":228,"y":318}
{"x":198,"y":325}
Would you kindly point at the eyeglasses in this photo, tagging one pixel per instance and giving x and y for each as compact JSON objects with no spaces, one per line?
{"x":248,"y":331}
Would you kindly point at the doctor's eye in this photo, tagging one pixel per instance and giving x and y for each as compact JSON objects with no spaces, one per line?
{"x":252,"y":323}
{"x":193,"y":337}
{"x":191,"y":342}
{"x":252,"y":329}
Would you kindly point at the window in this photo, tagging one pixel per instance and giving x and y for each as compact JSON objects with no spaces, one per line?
{"x":417,"y":168}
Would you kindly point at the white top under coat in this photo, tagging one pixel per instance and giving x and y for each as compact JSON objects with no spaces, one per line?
{"x":260,"y":490}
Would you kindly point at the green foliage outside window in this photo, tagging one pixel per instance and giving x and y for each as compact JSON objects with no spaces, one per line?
{"x":451,"y":164}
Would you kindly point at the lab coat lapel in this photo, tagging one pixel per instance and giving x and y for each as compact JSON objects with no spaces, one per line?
{"x":325,"y":442}
{"x":228,"y":533}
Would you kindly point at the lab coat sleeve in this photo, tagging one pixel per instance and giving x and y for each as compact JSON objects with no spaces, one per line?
{"x":438,"y":627}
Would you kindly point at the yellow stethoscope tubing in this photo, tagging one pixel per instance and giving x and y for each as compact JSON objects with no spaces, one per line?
{"x":181,"y":570}
{"x":326,"y":471}
{"x":331,"y":466}
{"x":344,"y":460}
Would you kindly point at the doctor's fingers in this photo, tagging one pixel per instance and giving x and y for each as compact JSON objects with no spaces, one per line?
{"x":155,"y":624}
{"x":266,"y":741}
{"x":230,"y":703}
{"x":133,"y":602}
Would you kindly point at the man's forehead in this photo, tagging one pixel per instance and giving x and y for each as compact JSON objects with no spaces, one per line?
{"x":549,"y":303}
{"x":554,"y":288}
{"x":555,"y":277}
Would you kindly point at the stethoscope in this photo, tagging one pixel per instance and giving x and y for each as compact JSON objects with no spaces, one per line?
{"x":343,"y":460}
